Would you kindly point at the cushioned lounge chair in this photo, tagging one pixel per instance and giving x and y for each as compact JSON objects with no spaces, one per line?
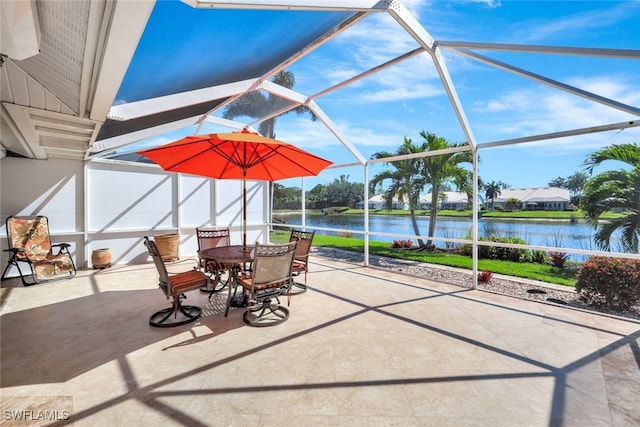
{"x":32,"y":253}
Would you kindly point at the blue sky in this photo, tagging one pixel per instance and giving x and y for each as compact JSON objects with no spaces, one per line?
{"x":376,"y":113}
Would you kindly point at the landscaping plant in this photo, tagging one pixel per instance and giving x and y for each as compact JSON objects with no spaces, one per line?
{"x":558,"y":258}
{"x":610,"y":282}
{"x":401,"y":244}
{"x":484,"y":276}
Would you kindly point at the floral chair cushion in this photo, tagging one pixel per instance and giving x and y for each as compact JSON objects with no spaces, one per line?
{"x":32,"y":235}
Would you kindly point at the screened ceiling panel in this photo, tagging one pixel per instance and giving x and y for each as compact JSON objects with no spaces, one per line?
{"x":256,"y":105}
{"x":371,"y":70}
{"x":115,"y":128}
{"x":213,"y":52}
{"x":197,"y":68}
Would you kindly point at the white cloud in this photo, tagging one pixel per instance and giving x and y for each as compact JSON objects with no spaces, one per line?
{"x":489,"y":3}
{"x":377,"y":38}
{"x":612,"y":87}
{"x":526,"y":112}
{"x":403,"y":93}
{"x":515,"y":100}
{"x":370,"y":43}
{"x":314,"y":136}
{"x":607,"y":16}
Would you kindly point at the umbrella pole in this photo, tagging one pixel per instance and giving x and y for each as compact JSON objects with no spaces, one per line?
{"x":244,"y":213}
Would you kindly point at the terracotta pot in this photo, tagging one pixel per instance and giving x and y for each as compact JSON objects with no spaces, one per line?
{"x":101,"y":258}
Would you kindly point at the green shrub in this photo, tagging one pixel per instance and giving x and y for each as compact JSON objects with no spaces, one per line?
{"x":499,"y":252}
{"x":609,"y":282}
{"x":538,"y":256}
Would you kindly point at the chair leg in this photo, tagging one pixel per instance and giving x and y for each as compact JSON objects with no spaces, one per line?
{"x":23,"y":277}
{"x":302,"y":287}
{"x":217,"y":282}
{"x":230,"y":298}
{"x":4,"y":273}
{"x":32,"y":275}
{"x":191,"y":313}
{"x":13,"y":262}
{"x":271,"y":314}
{"x":226,"y":311}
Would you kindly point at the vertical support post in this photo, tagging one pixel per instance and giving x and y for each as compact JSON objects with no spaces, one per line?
{"x":474,"y":220}
{"x":85,"y":218}
{"x":304,"y":205}
{"x":366,"y":214}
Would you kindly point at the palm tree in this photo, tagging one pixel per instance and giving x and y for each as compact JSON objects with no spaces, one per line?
{"x":614,"y":190}
{"x":411,"y":176}
{"x":442,"y":169}
{"x":257,"y":105}
{"x":407,"y":180}
{"x":575,"y":184}
{"x":442,"y":198}
{"x":493,"y":190}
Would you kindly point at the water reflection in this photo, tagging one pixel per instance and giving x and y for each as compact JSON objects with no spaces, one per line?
{"x":553,"y":233}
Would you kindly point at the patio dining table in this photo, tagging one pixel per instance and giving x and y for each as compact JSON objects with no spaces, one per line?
{"x":235,"y":256}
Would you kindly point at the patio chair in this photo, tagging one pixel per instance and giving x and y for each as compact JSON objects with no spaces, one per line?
{"x":174,"y":286}
{"x":29,"y":243}
{"x":269,"y":279}
{"x":213,"y":238}
{"x":300,"y":263}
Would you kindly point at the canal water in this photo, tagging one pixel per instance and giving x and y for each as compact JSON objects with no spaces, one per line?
{"x":553,"y":233}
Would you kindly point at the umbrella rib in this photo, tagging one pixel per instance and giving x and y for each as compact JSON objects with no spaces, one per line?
{"x":300,"y":165}
{"x":181,"y":161}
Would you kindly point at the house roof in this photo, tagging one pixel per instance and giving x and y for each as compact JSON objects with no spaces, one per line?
{"x":534,"y":195}
{"x":93,"y":77}
{"x":449,"y":197}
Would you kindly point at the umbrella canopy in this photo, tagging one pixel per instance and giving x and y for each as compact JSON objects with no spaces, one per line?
{"x":236,"y":155}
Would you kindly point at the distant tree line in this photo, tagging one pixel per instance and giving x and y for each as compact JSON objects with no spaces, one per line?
{"x":574,"y":183}
{"x":340,"y":192}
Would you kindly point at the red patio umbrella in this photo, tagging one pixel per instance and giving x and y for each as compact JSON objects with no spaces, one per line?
{"x":236,"y":155}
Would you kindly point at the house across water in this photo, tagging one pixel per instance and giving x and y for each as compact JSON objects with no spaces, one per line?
{"x":533,"y":199}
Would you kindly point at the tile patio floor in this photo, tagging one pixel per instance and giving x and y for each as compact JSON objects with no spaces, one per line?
{"x":363,"y":347}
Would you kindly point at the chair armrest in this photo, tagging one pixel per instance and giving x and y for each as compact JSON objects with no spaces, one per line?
{"x":61,"y":245}
{"x":62,"y":248}
{"x":23,"y":255}
{"x":179,"y":264}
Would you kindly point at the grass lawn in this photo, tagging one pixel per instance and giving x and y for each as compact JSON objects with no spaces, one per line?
{"x":543,"y":272}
